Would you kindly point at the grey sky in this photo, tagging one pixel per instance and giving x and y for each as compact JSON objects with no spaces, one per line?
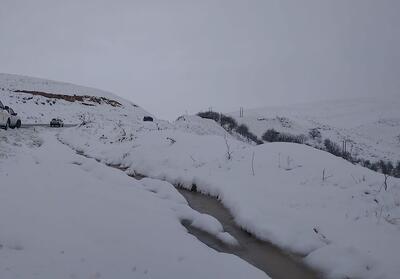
{"x":176,"y":56}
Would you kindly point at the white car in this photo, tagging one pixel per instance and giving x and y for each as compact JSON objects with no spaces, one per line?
{"x":15,"y":120}
{"x":5,"y":117}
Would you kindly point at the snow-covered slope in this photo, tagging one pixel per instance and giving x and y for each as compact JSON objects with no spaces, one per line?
{"x":38,"y":101}
{"x":371,"y":126}
{"x":199,"y":126}
{"x":66,"y":216}
{"x":18,"y":82}
{"x":339,"y":216}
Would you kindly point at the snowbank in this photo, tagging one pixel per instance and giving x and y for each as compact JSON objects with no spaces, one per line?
{"x":66,"y":216}
{"x":307,"y":201}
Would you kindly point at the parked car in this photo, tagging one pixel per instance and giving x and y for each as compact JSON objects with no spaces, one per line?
{"x":4,"y":117}
{"x":56,"y":122}
{"x":148,"y":118}
{"x":15,"y":120}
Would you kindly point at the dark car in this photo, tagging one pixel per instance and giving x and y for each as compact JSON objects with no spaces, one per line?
{"x":56,"y":122}
{"x":148,"y":118}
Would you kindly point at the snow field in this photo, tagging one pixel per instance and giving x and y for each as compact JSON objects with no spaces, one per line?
{"x":302,"y":199}
{"x":335,"y":214}
{"x":66,"y":216}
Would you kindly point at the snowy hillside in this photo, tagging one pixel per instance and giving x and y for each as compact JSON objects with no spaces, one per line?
{"x":371,"y":127}
{"x":66,"y":216}
{"x":305,"y":200}
{"x":77,"y":218}
{"x":18,"y":82}
{"x":338,"y":218}
{"x":38,"y":101}
{"x":337,"y":215}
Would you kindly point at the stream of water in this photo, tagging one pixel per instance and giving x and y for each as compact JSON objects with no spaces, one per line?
{"x":263,"y":255}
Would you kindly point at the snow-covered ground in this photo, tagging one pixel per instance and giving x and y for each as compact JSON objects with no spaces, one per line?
{"x":17,"y":82}
{"x":304,"y":200}
{"x":38,"y":109}
{"x":371,"y":126}
{"x":65,"y":216}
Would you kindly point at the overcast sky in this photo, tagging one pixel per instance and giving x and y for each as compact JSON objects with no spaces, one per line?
{"x":178,"y":56}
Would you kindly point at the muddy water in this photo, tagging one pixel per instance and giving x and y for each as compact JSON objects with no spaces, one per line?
{"x":265,"y":256}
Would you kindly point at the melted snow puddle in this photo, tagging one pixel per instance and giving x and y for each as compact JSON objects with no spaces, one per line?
{"x":265,"y":256}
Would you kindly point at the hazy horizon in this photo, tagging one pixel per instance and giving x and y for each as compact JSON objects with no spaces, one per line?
{"x":185,"y":56}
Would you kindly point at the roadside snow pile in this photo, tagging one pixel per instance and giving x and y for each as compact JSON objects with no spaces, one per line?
{"x":310,"y":202}
{"x":37,"y":101}
{"x":66,"y":216}
{"x":370,"y":126}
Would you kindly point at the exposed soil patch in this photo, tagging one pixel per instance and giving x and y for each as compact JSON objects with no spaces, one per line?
{"x":73,"y":98}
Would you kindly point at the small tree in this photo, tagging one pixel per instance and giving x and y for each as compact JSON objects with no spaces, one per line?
{"x":210,"y":115}
{"x":386,"y":169}
{"x":242,"y":130}
{"x":314,"y":133}
{"x":383,"y":167}
{"x":367,"y":164}
{"x":228,"y":148}
{"x":332,"y":147}
{"x":397,"y":169}
{"x":284,"y":137}
{"x":390,"y":168}
{"x":271,"y":135}
{"x":374,"y":166}
{"x":228,"y":122}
